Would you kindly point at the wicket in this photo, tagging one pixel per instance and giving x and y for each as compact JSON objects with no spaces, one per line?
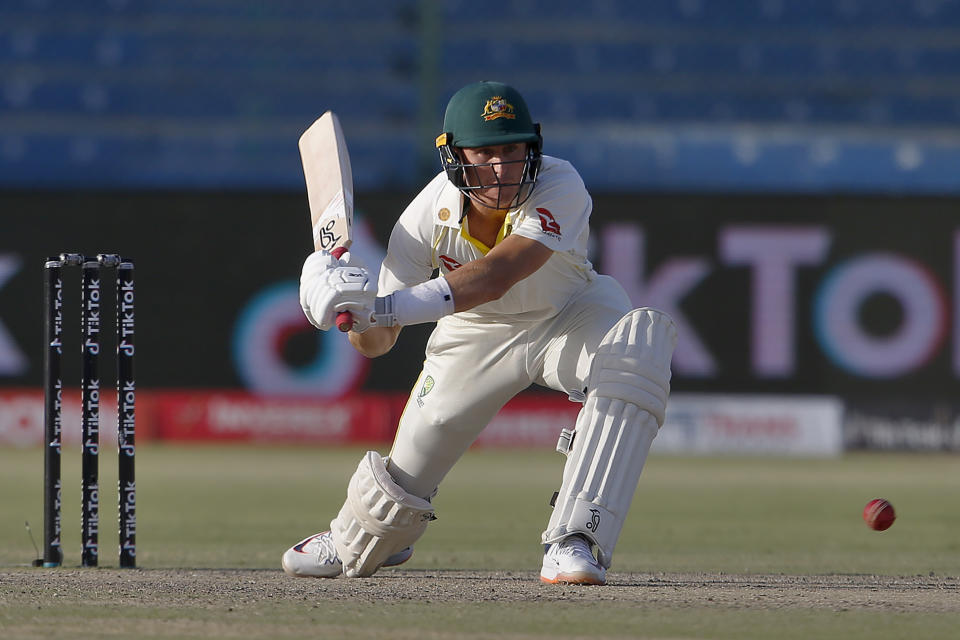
{"x":90,"y":406}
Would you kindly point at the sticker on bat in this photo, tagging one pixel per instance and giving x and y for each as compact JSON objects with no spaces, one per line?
{"x":328,"y":240}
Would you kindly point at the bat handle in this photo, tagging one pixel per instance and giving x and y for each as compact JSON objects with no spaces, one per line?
{"x":344,"y":320}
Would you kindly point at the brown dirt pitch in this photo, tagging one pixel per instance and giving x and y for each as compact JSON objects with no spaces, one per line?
{"x":243,"y":603}
{"x":223,"y":588}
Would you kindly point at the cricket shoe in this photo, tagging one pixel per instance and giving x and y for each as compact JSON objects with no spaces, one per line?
{"x":571,"y":561}
{"x":316,"y":557}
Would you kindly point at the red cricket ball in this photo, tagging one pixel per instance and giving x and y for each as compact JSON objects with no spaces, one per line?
{"x":879,"y":514}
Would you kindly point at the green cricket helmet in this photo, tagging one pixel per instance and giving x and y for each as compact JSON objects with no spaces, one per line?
{"x":486,"y":114}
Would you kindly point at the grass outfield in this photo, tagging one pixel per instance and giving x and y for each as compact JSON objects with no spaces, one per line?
{"x":239,"y":508}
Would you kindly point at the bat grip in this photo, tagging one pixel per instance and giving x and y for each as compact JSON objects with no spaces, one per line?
{"x":344,"y":319}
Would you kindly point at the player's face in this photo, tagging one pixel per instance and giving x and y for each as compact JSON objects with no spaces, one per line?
{"x":500,"y":170}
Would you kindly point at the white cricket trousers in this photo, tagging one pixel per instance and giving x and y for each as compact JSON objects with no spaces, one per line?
{"x":472,"y":369}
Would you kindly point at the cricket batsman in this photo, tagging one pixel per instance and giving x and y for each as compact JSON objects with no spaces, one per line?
{"x":516,"y":302}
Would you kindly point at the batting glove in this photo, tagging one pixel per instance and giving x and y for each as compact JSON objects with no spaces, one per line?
{"x":311,"y":277}
{"x":328,"y":286}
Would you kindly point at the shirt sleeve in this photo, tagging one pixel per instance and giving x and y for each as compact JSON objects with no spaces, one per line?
{"x":409,"y":259}
{"x":559,"y":209}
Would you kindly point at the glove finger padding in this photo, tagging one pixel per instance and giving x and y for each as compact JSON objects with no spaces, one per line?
{"x":378,"y":519}
{"x":318,"y":262}
{"x":320,"y":307}
{"x":312,"y":282}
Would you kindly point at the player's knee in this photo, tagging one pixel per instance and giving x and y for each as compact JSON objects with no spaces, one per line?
{"x":430,"y":417}
{"x":632,"y":363}
{"x":436,"y":417}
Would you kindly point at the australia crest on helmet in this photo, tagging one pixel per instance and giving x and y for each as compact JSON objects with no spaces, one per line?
{"x":498,"y":107}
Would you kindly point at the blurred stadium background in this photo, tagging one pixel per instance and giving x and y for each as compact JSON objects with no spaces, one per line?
{"x":782,"y":177}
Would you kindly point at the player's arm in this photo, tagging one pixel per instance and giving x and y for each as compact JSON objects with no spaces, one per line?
{"x":376,"y":329}
{"x":473,"y":284}
{"x":490,"y":277}
{"x":375,"y":341}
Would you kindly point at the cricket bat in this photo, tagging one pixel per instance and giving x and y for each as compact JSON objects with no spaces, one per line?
{"x":326,"y":168}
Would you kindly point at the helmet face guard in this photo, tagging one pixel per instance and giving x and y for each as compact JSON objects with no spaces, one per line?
{"x":488,"y":114}
{"x":466,"y":177}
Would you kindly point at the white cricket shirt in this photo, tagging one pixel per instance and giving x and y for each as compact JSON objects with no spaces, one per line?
{"x":429,"y":235}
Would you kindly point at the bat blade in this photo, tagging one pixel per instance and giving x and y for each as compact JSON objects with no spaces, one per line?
{"x":329,"y":178}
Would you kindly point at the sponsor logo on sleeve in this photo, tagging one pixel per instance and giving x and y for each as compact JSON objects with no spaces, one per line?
{"x":548,"y":223}
{"x":449,"y":263}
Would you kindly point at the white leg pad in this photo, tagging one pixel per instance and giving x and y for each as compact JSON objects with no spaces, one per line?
{"x":627,"y":392}
{"x":378,"y":519}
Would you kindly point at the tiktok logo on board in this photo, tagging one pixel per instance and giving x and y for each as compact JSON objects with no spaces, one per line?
{"x":13,"y":361}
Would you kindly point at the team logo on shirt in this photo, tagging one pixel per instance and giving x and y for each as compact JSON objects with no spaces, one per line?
{"x":548,"y":223}
{"x":497,"y":107}
{"x":449,"y":263}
